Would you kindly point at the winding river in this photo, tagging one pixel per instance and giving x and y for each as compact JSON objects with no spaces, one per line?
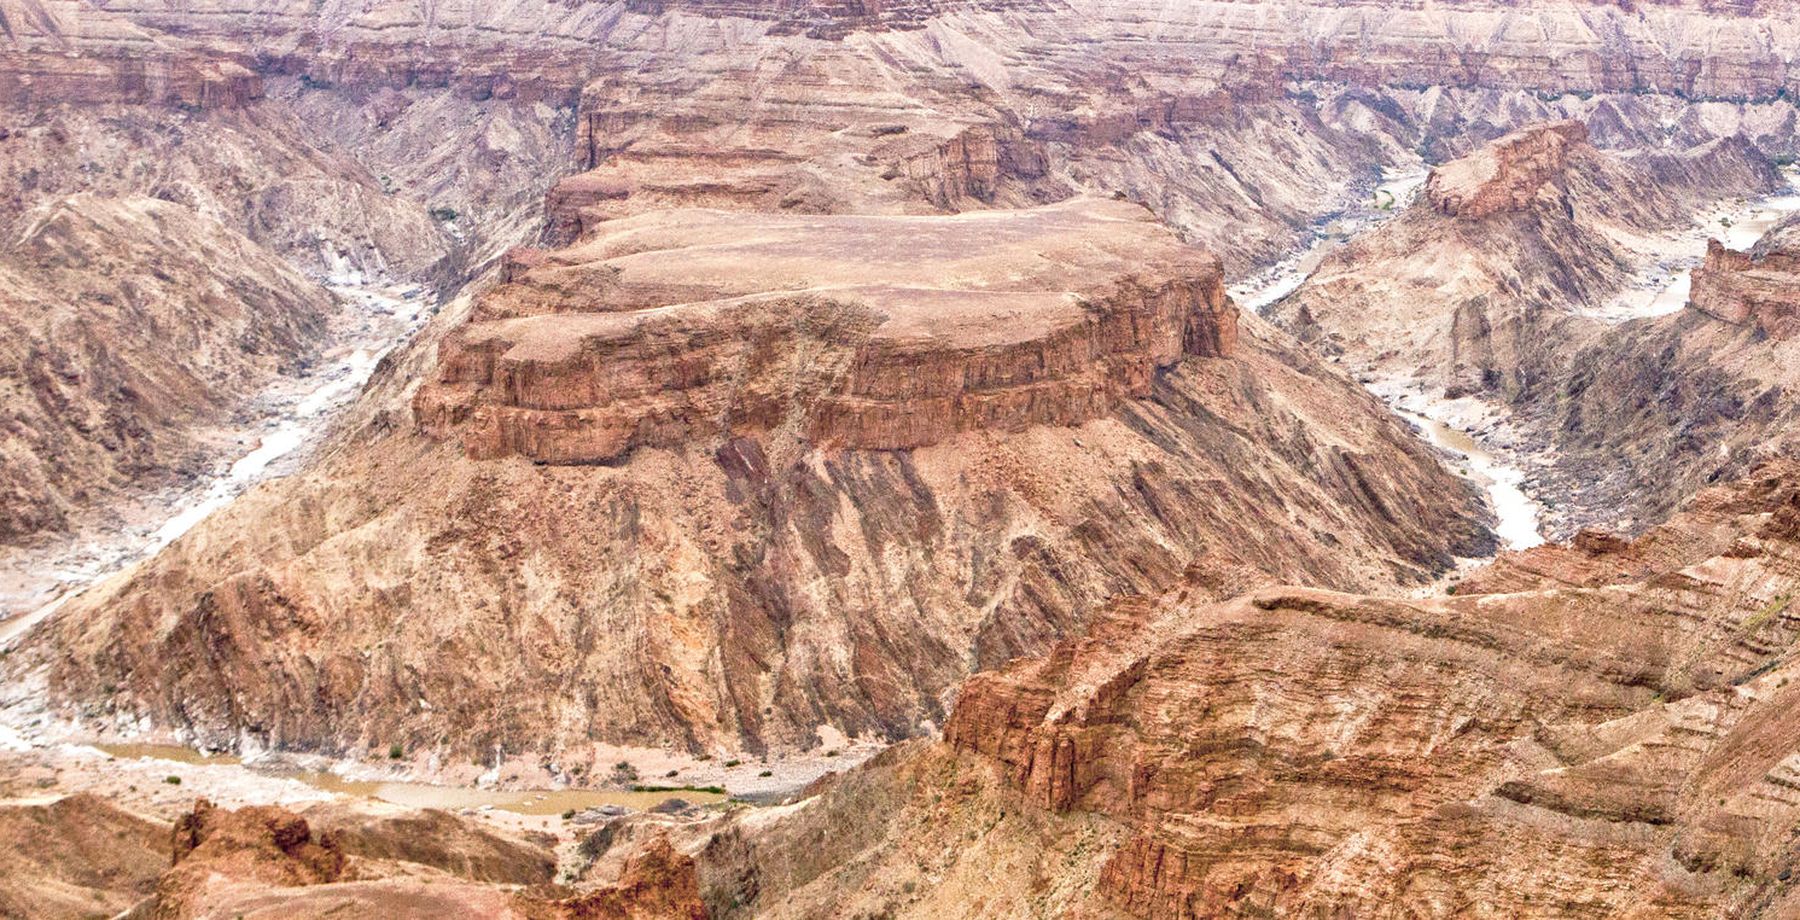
{"x":295,"y":411}
{"x":379,"y":316}
{"x":1518,"y":517}
{"x":1663,"y":288}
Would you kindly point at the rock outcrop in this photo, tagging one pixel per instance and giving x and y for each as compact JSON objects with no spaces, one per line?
{"x":72,"y":857}
{"x":720,"y":589}
{"x":131,"y":326}
{"x":1506,"y":175}
{"x":65,"y":52}
{"x":657,"y":884}
{"x":1610,"y":736}
{"x":1490,"y":282}
{"x":1759,"y":288}
{"x":272,"y":862}
{"x":694,"y":328}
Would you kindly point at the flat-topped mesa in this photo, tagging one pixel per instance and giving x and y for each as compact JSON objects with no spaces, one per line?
{"x":1758,"y":288}
{"x":1506,"y":174}
{"x":877,"y":333}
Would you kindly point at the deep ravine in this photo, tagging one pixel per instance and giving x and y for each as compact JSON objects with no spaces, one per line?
{"x":292,"y":413}
{"x":1517,"y":515}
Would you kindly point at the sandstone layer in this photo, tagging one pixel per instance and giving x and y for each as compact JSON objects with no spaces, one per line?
{"x":1608,"y":737}
{"x":55,"y":52}
{"x":266,"y":862}
{"x":737,"y":590}
{"x":1698,"y":49}
{"x":1759,"y":288}
{"x":74,"y":857}
{"x":694,"y":328}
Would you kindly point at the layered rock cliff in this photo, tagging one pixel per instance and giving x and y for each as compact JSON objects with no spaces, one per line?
{"x":1603,"y":739}
{"x":692,"y":328}
{"x":256,"y":170}
{"x":838,"y":543}
{"x":67,"y":52}
{"x":1506,"y":265}
{"x":1692,"y":48}
{"x":1759,"y":288}
{"x":1508,"y":174}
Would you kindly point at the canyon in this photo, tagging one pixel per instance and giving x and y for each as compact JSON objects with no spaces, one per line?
{"x":1017,"y":459}
{"x":1581,"y":730}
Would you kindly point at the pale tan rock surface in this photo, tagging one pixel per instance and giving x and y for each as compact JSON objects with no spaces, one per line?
{"x":876,"y":437}
{"x":1494,"y":277}
{"x":717,"y":587}
{"x":893,"y":333}
{"x":1606,"y":741}
{"x":132,"y":324}
{"x":1759,"y":288}
{"x":267,"y":862}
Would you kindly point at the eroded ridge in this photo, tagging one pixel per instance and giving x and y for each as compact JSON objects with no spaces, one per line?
{"x":1759,"y":288}
{"x":1596,"y":738}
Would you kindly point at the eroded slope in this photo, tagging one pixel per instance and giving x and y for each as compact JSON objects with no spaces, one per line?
{"x":1611,"y":737}
{"x":131,"y":325}
{"x":786,"y":529}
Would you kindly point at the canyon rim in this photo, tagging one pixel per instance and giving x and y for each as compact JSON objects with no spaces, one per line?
{"x":927,"y":459}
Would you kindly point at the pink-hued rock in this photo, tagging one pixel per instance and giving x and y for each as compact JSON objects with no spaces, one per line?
{"x":876,"y":333}
{"x":1507,"y":174}
{"x":1758,"y":288}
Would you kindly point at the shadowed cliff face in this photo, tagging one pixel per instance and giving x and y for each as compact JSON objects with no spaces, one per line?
{"x":1603,"y":738}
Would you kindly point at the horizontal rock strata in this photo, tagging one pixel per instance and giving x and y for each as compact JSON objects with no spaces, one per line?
{"x":1599,"y":740}
{"x":1506,"y":174}
{"x":1759,"y":288}
{"x":858,"y":333}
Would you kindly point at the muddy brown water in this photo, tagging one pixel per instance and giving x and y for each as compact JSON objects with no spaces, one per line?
{"x":542,"y":802}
